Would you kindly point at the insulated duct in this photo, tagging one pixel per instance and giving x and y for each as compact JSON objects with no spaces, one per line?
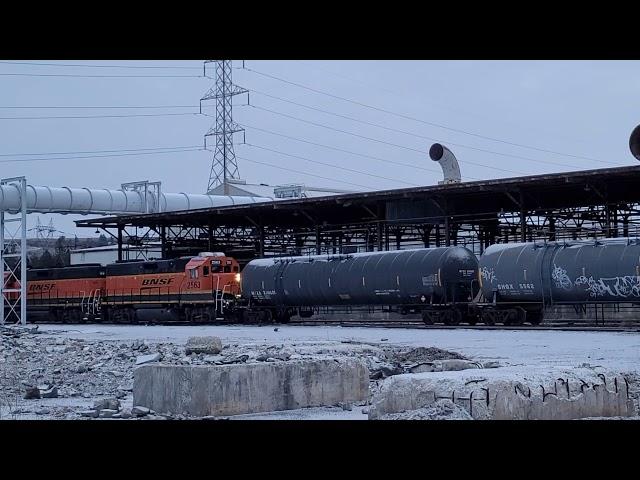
{"x":448,"y":161}
{"x":86,"y":201}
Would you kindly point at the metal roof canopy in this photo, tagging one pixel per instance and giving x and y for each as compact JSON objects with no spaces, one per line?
{"x":467,"y":202}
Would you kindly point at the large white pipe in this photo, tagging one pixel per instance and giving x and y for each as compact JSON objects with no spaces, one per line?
{"x":104,"y":201}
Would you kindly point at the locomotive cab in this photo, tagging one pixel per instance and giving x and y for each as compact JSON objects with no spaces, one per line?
{"x":213,"y":272}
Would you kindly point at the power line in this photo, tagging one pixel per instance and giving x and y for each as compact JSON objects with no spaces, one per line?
{"x":386,"y":160}
{"x":96,"y":156}
{"x":415,"y":134}
{"x":97,"y":107}
{"x":304,"y":173}
{"x":98,"y":66}
{"x":433,"y":124}
{"x":73,"y":75}
{"x":99,"y":151}
{"x":380,"y":141}
{"x":339,"y":167}
{"x":101,"y":116}
{"x":437,"y":105}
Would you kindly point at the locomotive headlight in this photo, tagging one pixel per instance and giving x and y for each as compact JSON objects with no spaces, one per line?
{"x":238,"y":277}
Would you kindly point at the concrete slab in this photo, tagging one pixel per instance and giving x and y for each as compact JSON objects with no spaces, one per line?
{"x":509,"y":393}
{"x":250,"y":388}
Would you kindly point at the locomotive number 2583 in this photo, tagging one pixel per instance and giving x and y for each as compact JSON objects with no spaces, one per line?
{"x":193,"y":284}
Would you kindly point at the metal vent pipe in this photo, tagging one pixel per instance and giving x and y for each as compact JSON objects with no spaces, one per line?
{"x":448,"y":161}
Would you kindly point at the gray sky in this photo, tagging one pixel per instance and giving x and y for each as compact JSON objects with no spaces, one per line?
{"x":579,"y":108}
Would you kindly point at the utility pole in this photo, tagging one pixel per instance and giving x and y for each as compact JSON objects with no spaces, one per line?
{"x":223,"y":165}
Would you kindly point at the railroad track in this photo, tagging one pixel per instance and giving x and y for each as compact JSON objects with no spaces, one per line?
{"x":422,"y":326}
{"x":406,"y":324}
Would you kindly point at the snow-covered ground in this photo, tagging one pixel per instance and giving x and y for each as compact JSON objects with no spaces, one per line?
{"x":617,"y":350}
{"x":109,"y":353}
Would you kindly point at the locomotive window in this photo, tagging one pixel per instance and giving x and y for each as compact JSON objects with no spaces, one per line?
{"x":193,"y":273}
{"x":215,"y":268}
{"x":205,"y":271}
{"x":227,"y":269}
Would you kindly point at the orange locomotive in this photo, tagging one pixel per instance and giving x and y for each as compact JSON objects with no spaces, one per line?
{"x":183,"y":289}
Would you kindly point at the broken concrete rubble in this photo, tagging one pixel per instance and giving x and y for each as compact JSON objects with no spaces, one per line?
{"x":154,"y":357}
{"x":209,"y":345}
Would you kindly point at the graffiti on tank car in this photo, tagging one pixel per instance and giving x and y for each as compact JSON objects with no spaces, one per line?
{"x":560,"y":277}
{"x":488,"y":274}
{"x":42,"y":287}
{"x":157,"y":281}
{"x":627,"y":286}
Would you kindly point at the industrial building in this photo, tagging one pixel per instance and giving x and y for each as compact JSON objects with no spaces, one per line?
{"x":584,"y":204}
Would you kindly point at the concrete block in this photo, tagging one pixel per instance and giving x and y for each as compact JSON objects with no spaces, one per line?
{"x":153,"y":357}
{"x":208,"y":345}
{"x":204,"y":390}
{"x":509,"y":394}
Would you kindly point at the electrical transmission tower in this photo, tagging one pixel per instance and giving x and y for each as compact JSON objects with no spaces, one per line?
{"x":223,"y":165}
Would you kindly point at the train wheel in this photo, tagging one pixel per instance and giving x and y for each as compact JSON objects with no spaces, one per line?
{"x":534,"y":318}
{"x":266,"y":317}
{"x":426,"y":318}
{"x":488,"y":318}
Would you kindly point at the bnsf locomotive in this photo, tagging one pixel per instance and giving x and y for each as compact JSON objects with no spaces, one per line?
{"x":183,"y":289}
{"x":508,"y":284}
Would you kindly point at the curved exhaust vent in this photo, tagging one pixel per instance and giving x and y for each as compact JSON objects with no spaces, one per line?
{"x":448,"y":161}
{"x":634,"y":142}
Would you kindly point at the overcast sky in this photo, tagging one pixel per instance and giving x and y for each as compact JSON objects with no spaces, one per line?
{"x":578,"y":108}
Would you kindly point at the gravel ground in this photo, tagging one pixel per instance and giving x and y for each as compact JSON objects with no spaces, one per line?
{"x":80,"y":365}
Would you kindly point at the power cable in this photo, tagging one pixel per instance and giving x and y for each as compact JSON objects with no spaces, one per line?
{"x":303,"y":173}
{"x":339,"y":167}
{"x":96,"y":156}
{"x":97,"y":66}
{"x":386,"y":160}
{"x":415,"y":134}
{"x":69,"y":117}
{"x":380,"y":141}
{"x":433,"y":124}
{"x":99,"y":151}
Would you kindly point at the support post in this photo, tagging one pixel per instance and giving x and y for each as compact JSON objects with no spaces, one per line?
{"x":523,"y":220}
{"x":318,"y":243}
{"x":261,"y":240}
{"x":13,"y":290}
{"x":120,"y":242}
{"x":447,"y":233}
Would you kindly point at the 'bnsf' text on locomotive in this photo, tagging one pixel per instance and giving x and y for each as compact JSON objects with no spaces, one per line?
{"x":157,"y":281}
{"x":41,"y":287}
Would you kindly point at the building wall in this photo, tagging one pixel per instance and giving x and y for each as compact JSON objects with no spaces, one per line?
{"x":110,"y":256}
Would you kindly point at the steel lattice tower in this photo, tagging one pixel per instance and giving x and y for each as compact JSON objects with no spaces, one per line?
{"x":223,"y":165}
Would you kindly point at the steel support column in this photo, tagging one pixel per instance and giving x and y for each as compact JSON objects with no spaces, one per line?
{"x":8,"y":285}
{"x":120,"y":228}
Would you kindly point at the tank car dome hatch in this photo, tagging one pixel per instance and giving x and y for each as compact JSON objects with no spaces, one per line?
{"x":634,"y":142}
